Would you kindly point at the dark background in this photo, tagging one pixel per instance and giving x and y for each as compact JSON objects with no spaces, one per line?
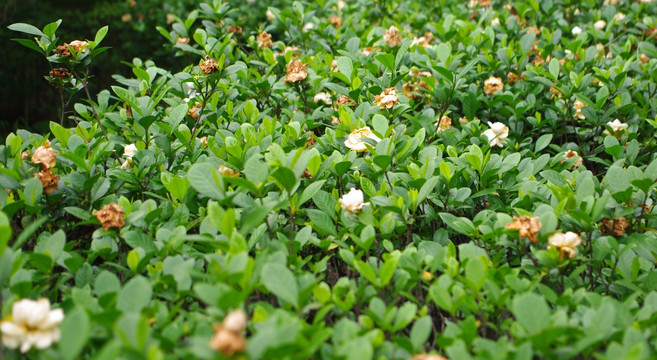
{"x":27,"y":101}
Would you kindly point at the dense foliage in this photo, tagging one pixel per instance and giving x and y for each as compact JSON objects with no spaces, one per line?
{"x":346,"y":180}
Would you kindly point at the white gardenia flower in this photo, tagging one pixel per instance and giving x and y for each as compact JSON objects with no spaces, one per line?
{"x":617,"y":127}
{"x":309,"y":26}
{"x":576,"y":30}
{"x":235,"y":321}
{"x":497,"y":134}
{"x":619,"y":17}
{"x":353,"y":201}
{"x":354,"y":140}
{"x":600,"y":24}
{"x":190,"y":91}
{"x":32,"y":324}
{"x":495,"y":22}
{"x":565,"y":243}
{"x":323,"y":97}
{"x":128,"y":151}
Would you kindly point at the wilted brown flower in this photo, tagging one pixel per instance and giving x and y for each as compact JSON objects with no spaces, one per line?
{"x":614,"y":227}
{"x":59,"y":73}
{"x":555,"y":92}
{"x":392,"y":36}
{"x":193,"y":111}
{"x":25,"y":154}
{"x":111,"y":215}
{"x":512,"y":78}
{"x":527,"y":226}
{"x":387,"y":99}
{"x":643,"y":58}
{"x":228,"y":172}
{"x":443,"y":124}
{"x":79,"y":45}
{"x":204,"y":141}
{"x":345,"y":100}
{"x":410,"y":89}
{"x":336,"y":21}
{"x":571,"y":154}
{"x":127,"y":17}
{"x":306,"y":174}
{"x":578,"y":105}
{"x":311,"y":139}
{"x":264,"y":40}
{"x":183,"y":40}
{"x":228,"y":338}
{"x":48,"y":180}
{"x":428,"y":36}
{"x":493,"y":85}
{"x":63,"y":50}
{"x":296,"y":71}
{"x":463,"y":120}
{"x":209,"y":65}
{"x":45,"y":156}
{"x":235,"y":29}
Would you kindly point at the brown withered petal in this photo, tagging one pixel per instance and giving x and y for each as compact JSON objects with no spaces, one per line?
{"x":209,"y":66}
{"x":182,"y":40}
{"x":111,"y":215}
{"x":614,"y":227}
{"x":59,"y":73}
{"x":45,"y":156}
{"x":296,"y":71}
{"x":512,"y":78}
{"x":25,"y":154}
{"x":235,"y":29}
{"x":193,"y":111}
{"x":63,"y":50}
{"x":306,"y":174}
{"x":345,"y":100}
{"x":264,"y":40}
{"x":392,"y":36}
{"x":49,"y":180}
{"x":527,"y":226}
{"x":336,"y":21}
{"x":227,"y":342}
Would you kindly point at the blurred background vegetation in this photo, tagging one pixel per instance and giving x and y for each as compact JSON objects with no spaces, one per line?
{"x":26,"y":99}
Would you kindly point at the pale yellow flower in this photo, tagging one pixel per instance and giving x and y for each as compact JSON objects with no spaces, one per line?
{"x":565,"y":243}
{"x":617,"y":127}
{"x":354,"y":140}
{"x":569,"y":154}
{"x":578,"y":105}
{"x":296,"y":71}
{"x":493,"y":85}
{"x":387,"y":99}
{"x":443,"y":124}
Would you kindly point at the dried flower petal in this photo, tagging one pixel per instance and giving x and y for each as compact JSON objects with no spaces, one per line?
{"x":527,"y":226}
{"x":111,"y":215}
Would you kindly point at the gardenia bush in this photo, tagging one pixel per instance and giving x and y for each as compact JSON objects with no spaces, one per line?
{"x":347,"y":180}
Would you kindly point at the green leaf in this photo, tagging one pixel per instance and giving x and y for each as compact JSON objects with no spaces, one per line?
{"x":204,"y":178}
{"x":60,"y":132}
{"x":100,"y":34}
{"x":310,"y":191}
{"x":404,"y":316}
{"x":420,"y":333}
{"x":5,"y":232}
{"x":75,"y":331}
{"x":322,"y":222}
{"x":255,"y":170}
{"x":135,"y":296}
{"x":345,"y":66}
{"x":543,"y":142}
{"x":617,"y":179}
{"x":367,"y":272}
{"x":26,"y":28}
{"x":460,"y":224}
{"x":532,"y":312}
{"x":33,"y":191}
{"x":554,"y":68}
{"x":128,"y":97}
{"x":285,"y":177}
{"x":387,"y":60}
{"x":280,"y":281}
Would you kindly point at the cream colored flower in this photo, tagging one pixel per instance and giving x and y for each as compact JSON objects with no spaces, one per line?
{"x":493,"y":85}
{"x":387,"y":99}
{"x":443,"y":124}
{"x":527,"y":226}
{"x":643,"y":58}
{"x":323,"y":97}
{"x":31,"y":324}
{"x":495,"y":22}
{"x":235,"y":321}
{"x":392,"y":36}
{"x":308,"y":26}
{"x":45,"y":156}
{"x":270,"y":15}
{"x":578,"y":105}
{"x":129,"y":151}
{"x":617,"y":127}
{"x":79,"y":45}
{"x":353,"y":201}
{"x":569,"y":154}
{"x":565,"y":243}
{"x":600,"y":24}
{"x":576,"y":30}
{"x":354,"y":140}
{"x":296,"y":71}
{"x":619,"y":17}
{"x":497,"y":134}
{"x":422,"y":41}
